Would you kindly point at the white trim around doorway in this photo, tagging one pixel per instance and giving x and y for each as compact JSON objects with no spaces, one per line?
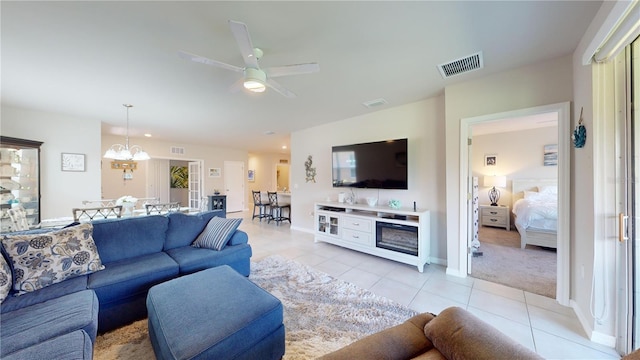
{"x":563,"y":251}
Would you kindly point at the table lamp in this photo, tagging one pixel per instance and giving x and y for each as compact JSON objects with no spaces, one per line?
{"x":493,"y":182}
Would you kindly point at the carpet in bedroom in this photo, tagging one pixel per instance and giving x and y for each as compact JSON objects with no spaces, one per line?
{"x":321,"y":313}
{"x":532,"y":269}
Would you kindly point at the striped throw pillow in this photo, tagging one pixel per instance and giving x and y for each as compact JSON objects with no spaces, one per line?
{"x":217,"y":233}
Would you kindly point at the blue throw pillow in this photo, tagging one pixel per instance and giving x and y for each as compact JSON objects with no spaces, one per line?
{"x":217,"y":233}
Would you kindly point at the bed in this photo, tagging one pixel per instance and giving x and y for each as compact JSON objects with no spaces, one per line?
{"x":535,"y":210}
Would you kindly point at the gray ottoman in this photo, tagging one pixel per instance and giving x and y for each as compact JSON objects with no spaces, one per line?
{"x":214,"y":314}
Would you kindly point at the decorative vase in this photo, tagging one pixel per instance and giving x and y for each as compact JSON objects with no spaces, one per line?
{"x":394,"y":204}
{"x":127,"y":208}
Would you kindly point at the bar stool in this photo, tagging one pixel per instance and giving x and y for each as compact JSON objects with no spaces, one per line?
{"x":262,"y":207}
{"x":276,"y":209}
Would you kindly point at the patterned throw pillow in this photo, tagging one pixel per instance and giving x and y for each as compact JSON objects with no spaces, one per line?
{"x":40,"y":260}
{"x":5,"y":278}
{"x":217,"y":233}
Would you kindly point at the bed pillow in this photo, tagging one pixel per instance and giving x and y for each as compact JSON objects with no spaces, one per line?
{"x":44,"y":259}
{"x":548,"y":189}
{"x":530,"y":194}
{"x":5,"y":278}
{"x":217,"y":233}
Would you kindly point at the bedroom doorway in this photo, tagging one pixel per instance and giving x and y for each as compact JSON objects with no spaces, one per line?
{"x":516,"y":147}
{"x":466,"y":214}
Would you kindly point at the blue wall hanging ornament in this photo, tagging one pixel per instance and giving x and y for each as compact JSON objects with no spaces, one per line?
{"x":580,"y":133}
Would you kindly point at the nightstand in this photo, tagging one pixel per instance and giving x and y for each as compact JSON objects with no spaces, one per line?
{"x":495,"y":216}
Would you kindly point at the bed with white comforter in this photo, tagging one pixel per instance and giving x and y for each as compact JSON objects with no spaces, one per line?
{"x":536,"y":213}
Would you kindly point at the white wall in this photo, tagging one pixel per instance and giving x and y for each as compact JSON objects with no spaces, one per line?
{"x":519,"y":154}
{"x":264,"y":165}
{"x":214,"y":157}
{"x":544,"y":83}
{"x":60,"y":190}
{"x":584,"y":215}
{"x":421,"y":122}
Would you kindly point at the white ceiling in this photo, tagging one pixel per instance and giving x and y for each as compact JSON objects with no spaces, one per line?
{"x":87,"y":58}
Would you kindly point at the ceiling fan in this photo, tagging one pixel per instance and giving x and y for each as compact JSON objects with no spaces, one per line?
{"x":255,"y":79}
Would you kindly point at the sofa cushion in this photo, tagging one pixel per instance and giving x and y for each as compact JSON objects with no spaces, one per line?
{"x":5,"y":278}
{"x":40,"y":260}
{"x":34,"y":324}
{"x":131,"y":277}
{"x":183,"y":229}
{"x":404,"y":341}
{"x":75,"y":345}
{"x":458,"y":334}
{"x":128,"y":238}
{"x":193,"y":259}
{"x":69,"y":286}
{"x":217,"y":233}
{"x":239,"y":237}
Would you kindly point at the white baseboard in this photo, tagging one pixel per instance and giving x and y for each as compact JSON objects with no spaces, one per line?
{"x":595,"y":336}
{"x":438,"y":261}
{"x":455,"y":272}
{"x":306,"y":230}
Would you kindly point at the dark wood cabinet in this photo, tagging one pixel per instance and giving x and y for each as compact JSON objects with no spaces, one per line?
{"x":218,"y":203}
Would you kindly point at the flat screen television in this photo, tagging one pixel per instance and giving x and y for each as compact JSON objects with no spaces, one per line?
{"x":374,"y":165}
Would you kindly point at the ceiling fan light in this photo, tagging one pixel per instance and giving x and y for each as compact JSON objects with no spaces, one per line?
{"x":254,"y":86}
{"x":254,"y":80}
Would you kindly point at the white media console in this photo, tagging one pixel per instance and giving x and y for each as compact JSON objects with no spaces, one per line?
{"x":401,"y":235}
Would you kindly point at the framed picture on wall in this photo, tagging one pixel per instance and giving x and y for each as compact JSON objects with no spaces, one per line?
{"x":251,"y":175}
{"x":551,"y":155}
{"x":490,"y":160}
{"x":72,"y":162}
{"x":214,"y":172}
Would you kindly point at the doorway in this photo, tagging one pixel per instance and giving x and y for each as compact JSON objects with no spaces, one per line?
{"x":465,"y":186}
{"x":506,"y":157}
{"x":282,"y":177}
{"x":234,"y":183}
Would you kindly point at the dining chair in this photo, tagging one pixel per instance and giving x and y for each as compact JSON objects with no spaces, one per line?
{"x":88,"y":214}
{"x":260,"y":205}
{"x":276,"y":208}
{"x":162,"y":208}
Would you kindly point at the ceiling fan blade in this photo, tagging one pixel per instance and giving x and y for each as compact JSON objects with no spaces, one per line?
{"x":241,"y":33}
{"x":281,"y":89}
{"x":237,"y":86}
{"x":297,"y":69}
{"x":203,"y":60}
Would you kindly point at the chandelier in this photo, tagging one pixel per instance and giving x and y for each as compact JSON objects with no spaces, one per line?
{"x":126,"y":152}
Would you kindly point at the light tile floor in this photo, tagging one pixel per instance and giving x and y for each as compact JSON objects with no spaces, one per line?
{"x":538,"y":322}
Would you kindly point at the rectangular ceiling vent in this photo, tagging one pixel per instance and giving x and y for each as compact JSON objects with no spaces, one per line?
{"x":175,"y":150}
{"x":462,"y":65}
{"x":374,"y":103}
{"x":284,"y":161}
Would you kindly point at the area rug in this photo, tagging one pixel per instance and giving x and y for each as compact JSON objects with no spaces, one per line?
{"x":532,"y":270}
{"x":321,"y":313}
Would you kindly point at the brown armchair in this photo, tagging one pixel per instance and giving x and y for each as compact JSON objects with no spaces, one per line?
{"x":454,"y":334}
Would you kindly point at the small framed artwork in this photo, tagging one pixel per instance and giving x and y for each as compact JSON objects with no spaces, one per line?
{"x":214,"y":172}
{"x":551,"y":155}
{"x":490,"y":160}
{"x":251,"y":175}
{"x":72,"y":162}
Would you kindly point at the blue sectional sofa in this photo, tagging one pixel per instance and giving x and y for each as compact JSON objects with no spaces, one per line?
{"x":137,"y":253}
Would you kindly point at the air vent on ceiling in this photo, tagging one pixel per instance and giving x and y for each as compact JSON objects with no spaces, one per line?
{"x":284,"y":161}
{"x":374,"y":103}
{"x":177,"y":150}
{"x":462,"y":65}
